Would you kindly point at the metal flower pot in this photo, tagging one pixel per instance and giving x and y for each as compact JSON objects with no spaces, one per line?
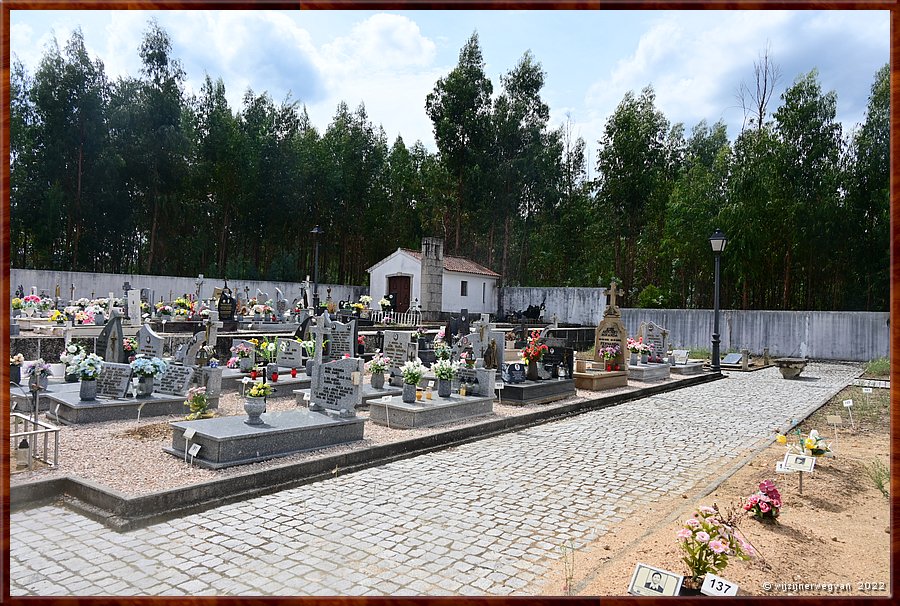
{"x":87,"y":391}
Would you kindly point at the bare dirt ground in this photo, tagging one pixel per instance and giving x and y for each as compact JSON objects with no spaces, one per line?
{"x":835,"y":536}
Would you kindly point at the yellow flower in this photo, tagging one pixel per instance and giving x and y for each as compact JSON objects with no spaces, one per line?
{"x":810,"y":443}
{"x":781,"y":439}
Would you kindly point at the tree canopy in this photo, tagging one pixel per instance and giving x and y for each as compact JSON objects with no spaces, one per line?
{"x":136,"y":175}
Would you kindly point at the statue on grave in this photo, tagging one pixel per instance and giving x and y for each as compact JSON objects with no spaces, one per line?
{"x":490,"y":355}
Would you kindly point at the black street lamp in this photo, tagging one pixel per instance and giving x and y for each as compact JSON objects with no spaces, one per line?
{"x":718,"y":242}
{"x":316,"y":232}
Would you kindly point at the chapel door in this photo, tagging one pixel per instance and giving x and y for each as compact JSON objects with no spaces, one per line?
{"x":399,"y":286}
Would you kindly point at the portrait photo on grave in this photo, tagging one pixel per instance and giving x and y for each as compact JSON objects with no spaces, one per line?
{"x":649,"y":581}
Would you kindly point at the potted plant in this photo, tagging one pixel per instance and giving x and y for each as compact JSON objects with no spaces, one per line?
{"x":243,"y":353}
{"x":634,"y":348}
{"x":198,"y":404}
{"x":16,"y":307}
{"x":444,"y":370}
{"x":130,"y":345}
{"x":412,"y":372}
{"x":707,"y":542}
{"x":15,"y":368}
{"x":385,"y":304}
{"x":377,"y":365}
{"x":266,"y":350}
{"x":442,"y":351}
{"x":39,"y":374}
{"x":58,"y":317}
{"x":609,"y":354}
{"x":255,"y":402}
{"x":646,"y":350}
{"x":67,"y":357}
{"x":533,"y":353}
{"x":30,"y":304}
{"x":764,"y":505}
{"x":360,"y":345}
{"x":146,"y":370}
{"x":87,"y":368}
{"x":366,"y":300}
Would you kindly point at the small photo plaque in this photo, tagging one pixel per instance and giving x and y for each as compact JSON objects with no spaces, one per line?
{"x":194,"y":450}
{"x":654,"y":582}
{"x":780,"y":468}
{"x":795,"y":462}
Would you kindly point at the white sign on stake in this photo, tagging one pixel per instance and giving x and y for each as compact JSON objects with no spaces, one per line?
{"x":194,"y":450}
{"x":797,"y":462}
{"x":780,"y":468}
{"x":867,"y":390}
{"x":499,"y":385}
{"x":848,"y":403}
{"x":189,"y":433}
{"x":386,"y":398}
{"x":651,"y":581}
{"x":713,"y":585}
{"x":306,"y":397}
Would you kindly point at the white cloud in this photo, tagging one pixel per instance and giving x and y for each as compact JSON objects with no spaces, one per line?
{"x":381,"y":43}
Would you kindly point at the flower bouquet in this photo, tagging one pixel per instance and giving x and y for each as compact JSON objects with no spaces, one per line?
{"x":442,"y":351}
{"x":444,"y":369}
{"x":16,"y":303}
{"x":412,"y":372}
{"x":130,"y":345}
{"x":708,"y":542}
{"x":198,"y":404}
{"x":534,"y":351}
{"x":366,"y":300}
{"x":260,"y":390}
{"x":70,"y":352}
{"x":143,"y":366}
{"x":87,"y":367}
{"x":765,"y":504}
{"x":378,"y":363}
{"x":813,"y":444}
{"x":384,"y":302}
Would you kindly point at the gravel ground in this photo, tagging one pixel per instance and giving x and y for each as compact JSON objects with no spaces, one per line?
{"x":127,"y":456}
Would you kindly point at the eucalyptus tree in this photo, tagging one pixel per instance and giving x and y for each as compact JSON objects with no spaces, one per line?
{"x":632,"y":165}
{"x":460,"y":108}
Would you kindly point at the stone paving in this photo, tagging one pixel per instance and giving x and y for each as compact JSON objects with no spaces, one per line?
{"x":485,"y":518}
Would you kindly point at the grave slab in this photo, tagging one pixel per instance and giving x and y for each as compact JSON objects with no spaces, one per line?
{"x":649,"y":372}
{"x":399,"y":414}
{"x":229,"y":441}
{"x":232,"y":379}
{"x":72,"y":410}
{"x":687,"y":369}
{"x":537,"y":392}
{"x":598,"y":380}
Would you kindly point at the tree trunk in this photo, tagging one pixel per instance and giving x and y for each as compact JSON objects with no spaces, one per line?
{"x":491,"y":246}
{"x":785,"y":297}
{"x":154,"y":224}
{"x":503,"y":261}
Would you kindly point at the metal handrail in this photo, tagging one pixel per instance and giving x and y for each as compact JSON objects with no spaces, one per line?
{"x":45,"y":429}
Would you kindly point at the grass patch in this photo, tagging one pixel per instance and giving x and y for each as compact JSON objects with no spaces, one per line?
{"x":699,"y":354}
{"x":881,"y":476}
{"x":870,"y":411}
{"x":879,"y":367}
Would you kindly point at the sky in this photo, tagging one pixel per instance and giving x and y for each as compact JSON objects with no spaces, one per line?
{"x":696,"y":61}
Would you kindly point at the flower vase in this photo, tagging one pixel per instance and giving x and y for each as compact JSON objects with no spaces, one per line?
{"x":632,"y":361}
{"x":28,"y":311}
{"x":245,"y":364}
{"x":87,"y":391}
{"x":360,"y":350}
{"x":271,"y":369}
{"x":532,"y":373}
{"x":644,"y":358}
{"x":378,"y":380}
{"x":71,"y":378}
{"x":444,"y":388}
{"x":144,"y":387}
{"x":99,"y":319}
{"x":254,"y":407}
{"x":15,"y":373}
{"x":409,"y":393}
{"x":310,"y":365}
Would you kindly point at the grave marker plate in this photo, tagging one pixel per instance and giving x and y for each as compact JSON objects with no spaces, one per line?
{"x":333,"y":387}
{"x":680,"y":355}
{"x":175,"y":381}
{"x":795,"y":462}
{"x":732,"y":358}
{"x":149,"y":343}
{"x":288,"y":353}
{"x":400,"y":347}
{"x":113,"y":380}
{"x":342,"y":339}
{"x":657,"y":337}
{"x":513,"y":373}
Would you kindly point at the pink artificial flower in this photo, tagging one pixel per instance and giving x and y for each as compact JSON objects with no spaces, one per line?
{"x":718,"y":546}
{"x":346,"y":355}
{"x":776,"y":502}
{"x":747,"y":548}
{"x":763,"y":498}
{"x":706,"y":509}
{"x":764,"y":507}
{"x":703,"y":537}
{"x":683,"y":534}
{"x":692,"y":522}
{"x":753,"y":499}
{"x":748,"y":507}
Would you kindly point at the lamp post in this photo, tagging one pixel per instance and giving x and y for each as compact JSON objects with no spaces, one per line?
{"x":316,"y":232}
{"x":718,"y":242}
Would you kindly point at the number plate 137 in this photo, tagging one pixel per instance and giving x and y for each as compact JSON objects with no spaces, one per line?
{"x":713,"y":585}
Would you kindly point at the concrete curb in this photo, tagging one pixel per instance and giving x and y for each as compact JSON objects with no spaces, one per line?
{"x":121,"y":512}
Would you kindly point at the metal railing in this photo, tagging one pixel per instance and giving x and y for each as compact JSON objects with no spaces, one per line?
{"x":32,"y":429}
{"x":408,"y":318}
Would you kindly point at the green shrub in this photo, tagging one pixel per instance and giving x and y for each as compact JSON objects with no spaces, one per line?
{"x":651,"y":298}
{"x":879,"y":366}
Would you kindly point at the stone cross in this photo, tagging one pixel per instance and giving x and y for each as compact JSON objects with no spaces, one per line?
{"x":612,"y":309}
{"x":72,"y":292}
{"x":109,"y":305}
{"x":212,"y":328}
{"x":126,"y":287}
{"x":199,"y":283}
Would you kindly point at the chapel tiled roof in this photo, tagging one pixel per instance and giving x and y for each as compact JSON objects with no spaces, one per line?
{"x":457,"y":264}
